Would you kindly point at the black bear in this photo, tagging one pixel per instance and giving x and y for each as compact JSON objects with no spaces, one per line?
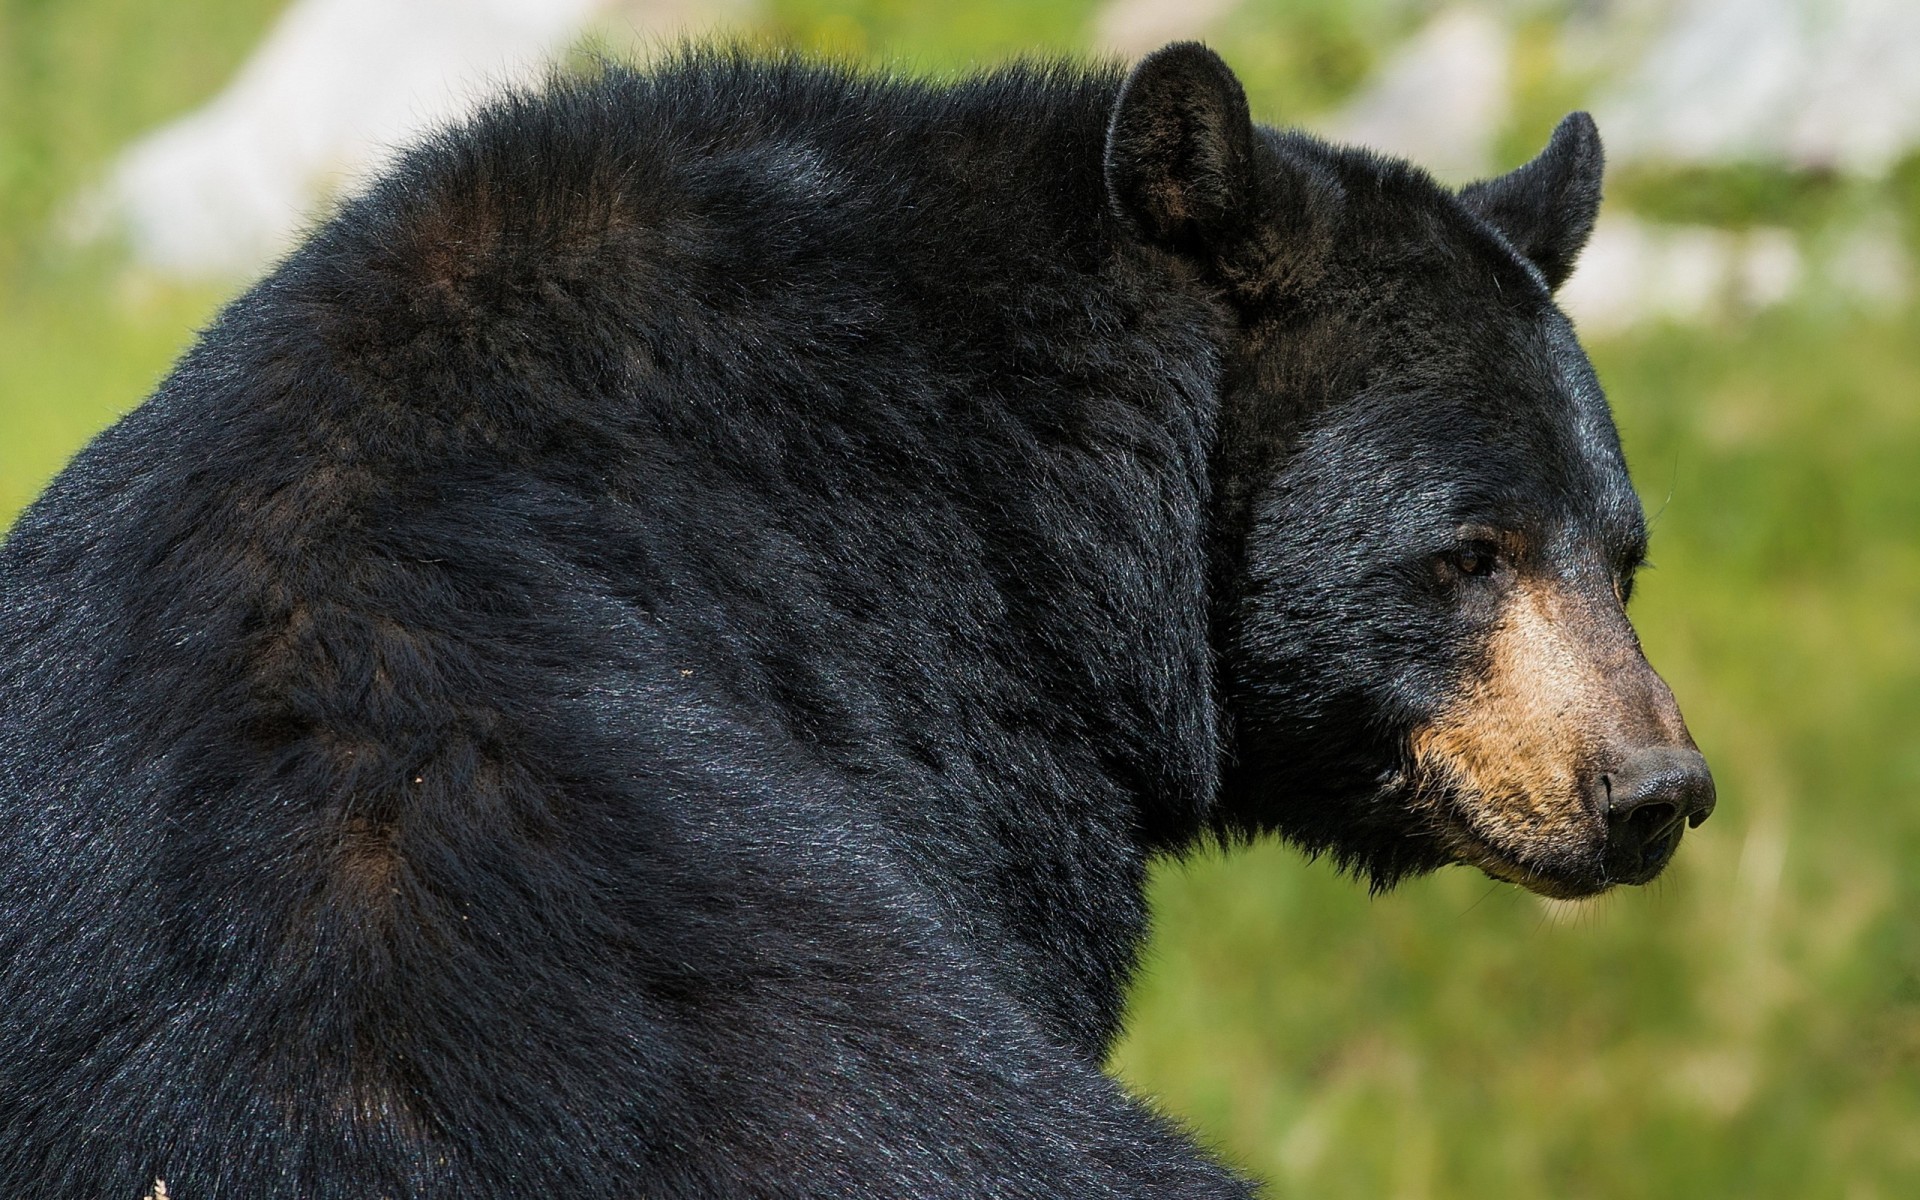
{"x":651,"y":657}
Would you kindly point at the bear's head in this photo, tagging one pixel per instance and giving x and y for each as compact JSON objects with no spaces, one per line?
{"x":1424,"y":533}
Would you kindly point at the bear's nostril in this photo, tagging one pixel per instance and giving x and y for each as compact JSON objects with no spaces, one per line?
{"x":1666,"y":777}
{"x":1649,"y":798}
{"x":1649,"y":822}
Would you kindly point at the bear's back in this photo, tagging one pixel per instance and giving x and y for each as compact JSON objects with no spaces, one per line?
{"x":638,"y":498}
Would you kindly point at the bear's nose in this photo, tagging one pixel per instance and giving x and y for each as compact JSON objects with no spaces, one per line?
{"x":1647,"y":801}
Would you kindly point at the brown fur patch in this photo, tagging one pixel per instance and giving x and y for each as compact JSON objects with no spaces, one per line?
{"x":1506,"y":762}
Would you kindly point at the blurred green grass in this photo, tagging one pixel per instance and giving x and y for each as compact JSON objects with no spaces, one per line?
{"x":1747,"y":1027}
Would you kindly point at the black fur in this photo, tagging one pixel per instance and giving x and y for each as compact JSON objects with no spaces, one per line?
{"x":652,"y":655}
{"x":1547,"y":208}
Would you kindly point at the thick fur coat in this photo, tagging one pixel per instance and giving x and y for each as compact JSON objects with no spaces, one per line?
{"x":651,"y":657}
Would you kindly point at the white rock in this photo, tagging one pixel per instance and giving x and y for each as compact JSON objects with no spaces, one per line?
{"x":1869,"y":267}
{"x":1130,"y":28}
{"x":1635,"y":271}
{"x":1807,"y":83}
{"x":1440,"y":100}
{"x":335,"y":86}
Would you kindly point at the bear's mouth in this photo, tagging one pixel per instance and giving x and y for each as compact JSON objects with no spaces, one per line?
{"x":1468,"y":845}
{"x":1567,"y":851}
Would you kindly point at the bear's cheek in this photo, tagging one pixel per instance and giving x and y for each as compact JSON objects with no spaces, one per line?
{"x":1505,"y":768}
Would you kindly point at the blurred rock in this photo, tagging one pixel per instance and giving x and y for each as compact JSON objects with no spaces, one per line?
{"x":1441,"y":100}
{"x":1832,"y":84}
{"x":336,"y":85}
{"x":1869,"y":266}
{"x":1131,"y":28}
{"x":1637,"y":271}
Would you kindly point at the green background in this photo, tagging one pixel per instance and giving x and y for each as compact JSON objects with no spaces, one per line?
{"x":1748,"y":1026}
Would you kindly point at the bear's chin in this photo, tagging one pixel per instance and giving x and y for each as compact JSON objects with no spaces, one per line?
{"x":1553,"y":887}
{"x":1554,"y":873}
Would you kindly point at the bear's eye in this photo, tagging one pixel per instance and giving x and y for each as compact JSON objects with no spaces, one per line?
{"x":1623,"y":585}
{"x":1475,"y":559}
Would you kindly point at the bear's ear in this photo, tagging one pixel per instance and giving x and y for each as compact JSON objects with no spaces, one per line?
{"x":1179,"y":158}
{"x":1547,"y":207}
